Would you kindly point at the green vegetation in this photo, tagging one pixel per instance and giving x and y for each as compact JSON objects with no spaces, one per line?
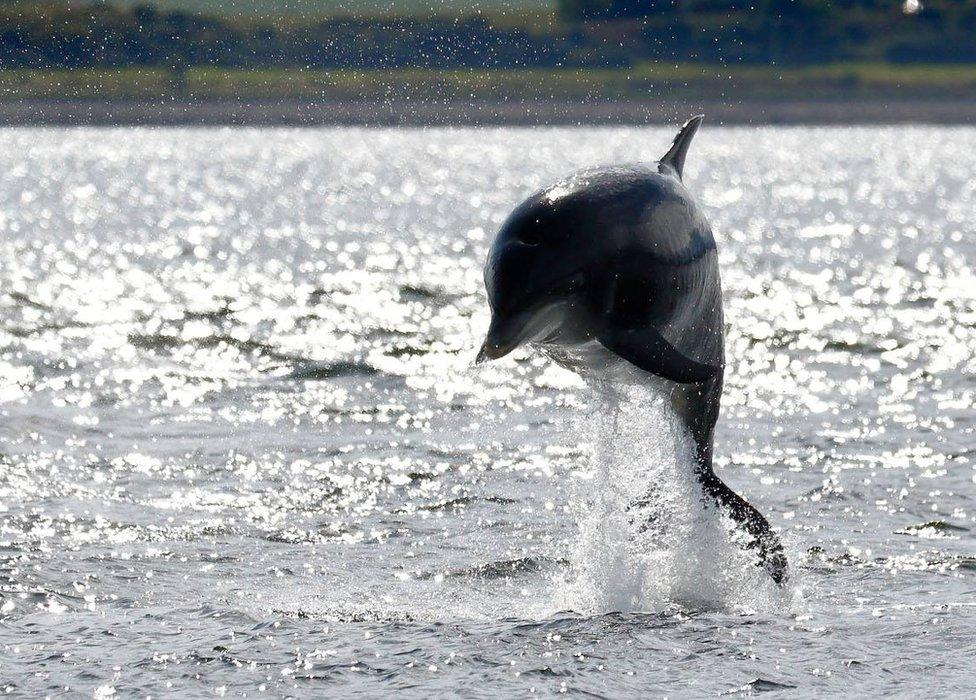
{"x":333,"y":8}
{"x":576,"y":50}
{"x":645,"y":81}
{"x":585,"y":33}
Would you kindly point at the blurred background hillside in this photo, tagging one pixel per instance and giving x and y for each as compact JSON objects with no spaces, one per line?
{"x":507,"y":53}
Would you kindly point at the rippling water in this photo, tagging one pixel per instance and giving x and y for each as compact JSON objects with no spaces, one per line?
{"x":243,"y":447}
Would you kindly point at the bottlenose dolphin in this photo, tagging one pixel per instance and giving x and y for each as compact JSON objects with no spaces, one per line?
{"x":615,"y":271}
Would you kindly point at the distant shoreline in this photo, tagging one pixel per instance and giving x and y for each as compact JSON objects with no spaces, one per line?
{"x":296,"y":112}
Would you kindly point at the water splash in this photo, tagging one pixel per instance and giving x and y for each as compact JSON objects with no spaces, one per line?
{"x":647,"y":539}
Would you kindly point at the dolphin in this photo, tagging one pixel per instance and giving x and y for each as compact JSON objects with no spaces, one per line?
{"x":614,"y":271}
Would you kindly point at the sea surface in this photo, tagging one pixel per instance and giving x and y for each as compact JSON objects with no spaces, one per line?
{"x":244,"y":449}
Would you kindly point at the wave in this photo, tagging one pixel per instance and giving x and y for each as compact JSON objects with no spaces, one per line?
{"x":317,"y":371}
{"x":932,"y":529}
{"x":161,"y":342}
{"x":503,"y":569}
{"x":303,"y":369}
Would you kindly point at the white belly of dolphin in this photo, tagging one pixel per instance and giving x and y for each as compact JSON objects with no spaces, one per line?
{"x":592,"y":361}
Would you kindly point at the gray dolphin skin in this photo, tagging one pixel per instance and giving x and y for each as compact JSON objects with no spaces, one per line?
{"x":614,"y":272}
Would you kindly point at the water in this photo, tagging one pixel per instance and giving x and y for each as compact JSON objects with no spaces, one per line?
{"x":244,"y":450}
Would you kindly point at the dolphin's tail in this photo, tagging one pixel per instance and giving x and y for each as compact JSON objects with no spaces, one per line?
{"x":764,"y":539}
{"x":698,"y":406}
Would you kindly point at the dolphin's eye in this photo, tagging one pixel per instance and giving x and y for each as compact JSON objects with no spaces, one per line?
{"x":531,"y":235}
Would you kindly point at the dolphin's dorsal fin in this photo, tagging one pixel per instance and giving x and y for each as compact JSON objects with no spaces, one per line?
{"x":675,"y":157}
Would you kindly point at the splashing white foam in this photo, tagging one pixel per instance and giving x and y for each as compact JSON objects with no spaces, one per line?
{"x":647,"y":540}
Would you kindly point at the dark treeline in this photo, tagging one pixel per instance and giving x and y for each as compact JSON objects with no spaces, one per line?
{"x":606,"y":33}
{"x":105,"y":36}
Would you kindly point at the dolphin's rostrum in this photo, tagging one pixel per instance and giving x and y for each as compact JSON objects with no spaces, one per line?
{"x":615,"y":269}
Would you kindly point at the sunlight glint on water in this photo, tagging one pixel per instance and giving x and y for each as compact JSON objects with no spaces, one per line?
{"x":243,"y":445}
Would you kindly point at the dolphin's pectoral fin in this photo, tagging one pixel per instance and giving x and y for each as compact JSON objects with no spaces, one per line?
{"x":763,"y":538}
{"x":648,"y":349}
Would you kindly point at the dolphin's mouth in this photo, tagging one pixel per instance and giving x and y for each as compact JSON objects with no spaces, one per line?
{"x":509,"y":332}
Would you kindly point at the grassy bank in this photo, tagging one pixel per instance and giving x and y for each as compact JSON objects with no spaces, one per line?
{"x":643,"y":82}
